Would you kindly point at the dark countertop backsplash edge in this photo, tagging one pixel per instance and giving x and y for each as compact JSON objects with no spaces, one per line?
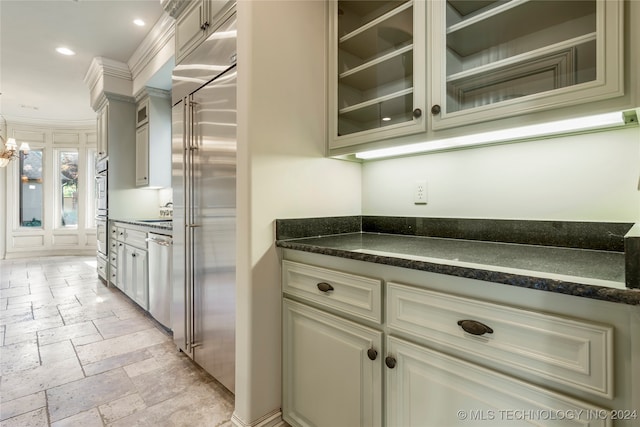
{"x":607,"y":236}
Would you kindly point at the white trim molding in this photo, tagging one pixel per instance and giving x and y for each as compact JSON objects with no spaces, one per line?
{"x":272,"y":419}
{"x":174,"y":7}
{"x":160,"y":35}
{"x":107,"y":76}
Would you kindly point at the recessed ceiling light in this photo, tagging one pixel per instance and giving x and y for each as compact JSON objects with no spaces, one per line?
{"x":65,"y":51}
{"x":139,"y":22}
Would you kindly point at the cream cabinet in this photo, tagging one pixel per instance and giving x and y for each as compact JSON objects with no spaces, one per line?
{"x":333,"y":370}
{"x":196,"y":23}
{"x":453,"y":389}
{"x":102,"y":143}
{"x":448,"y":355}
{"x":153,"y":139}
{"x":333,"y":364}
{"x":129,"y":263}
{"x":412,"y":71}
{"x":136,"y":276}
{"x":377,"y":70}
{"x":492,"y":59}
{"x":113,"y":261}
{"x":142,"y":156}
{"x":429,"y":388}
{"x":117,"y":131}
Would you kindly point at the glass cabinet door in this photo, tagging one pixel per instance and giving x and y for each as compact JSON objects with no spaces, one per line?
{"x":513,"y":51}
{"x":378,"y":75}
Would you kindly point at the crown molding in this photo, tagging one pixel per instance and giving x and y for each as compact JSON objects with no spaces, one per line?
{"x":161,"y":34}
{"x":152,"y":91}
{"x":18,"y":121}
{"x":174,"y":7}
{"x":105,"y":97}
{"x":101,"y":66}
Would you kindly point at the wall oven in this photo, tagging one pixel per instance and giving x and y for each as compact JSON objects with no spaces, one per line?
{"x":101,"y":188}
{"x":101,"y":218}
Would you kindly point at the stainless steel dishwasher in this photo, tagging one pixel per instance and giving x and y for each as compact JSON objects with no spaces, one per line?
{"x":160,"y":261}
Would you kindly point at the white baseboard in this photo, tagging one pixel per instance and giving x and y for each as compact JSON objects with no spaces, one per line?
{"x":273,"y":419}
{"x":49,"y":253}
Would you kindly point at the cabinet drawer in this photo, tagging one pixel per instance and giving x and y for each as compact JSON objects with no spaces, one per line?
{"x":101,"y":266}
{"x":135,"y":238}
{"x":354,"y":295}
{"x":117,"y":233}
{"x":570,"y":352}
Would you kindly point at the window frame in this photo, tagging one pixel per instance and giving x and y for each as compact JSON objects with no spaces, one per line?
{"x":57,"y":183}
{"x":18,"y":195}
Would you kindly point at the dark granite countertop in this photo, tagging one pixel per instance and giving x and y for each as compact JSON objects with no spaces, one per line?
{"x":591,"y":273}
{"x":156,"y":224}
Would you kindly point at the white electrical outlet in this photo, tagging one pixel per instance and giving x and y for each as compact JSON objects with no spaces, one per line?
{"x":420,"y":194}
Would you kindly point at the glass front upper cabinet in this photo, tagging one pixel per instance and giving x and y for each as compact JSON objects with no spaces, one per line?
{"x":522,"y":55}
{"x":377,"y":63}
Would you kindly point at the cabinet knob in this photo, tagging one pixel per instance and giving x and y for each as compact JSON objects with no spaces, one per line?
{"x":417,"y":113}
{"x":435,"y":109}
{"x":390,"y":361}
{"x":372,"y":354}
{"x":474,"y":327}
{"x":133,"y":255}
{"x":325,"y":287}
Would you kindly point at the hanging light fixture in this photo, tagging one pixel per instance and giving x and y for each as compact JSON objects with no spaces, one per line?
{"x":10,"y":150}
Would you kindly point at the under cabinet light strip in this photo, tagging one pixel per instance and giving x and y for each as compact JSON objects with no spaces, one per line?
{"x":540,"y":130}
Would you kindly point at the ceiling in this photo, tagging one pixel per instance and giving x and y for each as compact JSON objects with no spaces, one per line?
{"x":40,"y":85}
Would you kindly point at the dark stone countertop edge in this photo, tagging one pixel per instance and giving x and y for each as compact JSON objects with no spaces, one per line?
{"x":625,"y":296}
{"x":168,"y":226}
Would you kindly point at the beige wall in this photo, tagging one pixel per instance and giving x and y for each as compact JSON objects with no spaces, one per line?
{"x":590,"y":177}
{"x":3,"y":195}
{"x":281,"y":174}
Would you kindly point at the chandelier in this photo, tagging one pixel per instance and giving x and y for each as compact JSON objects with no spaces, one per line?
{"x":10,"y":150}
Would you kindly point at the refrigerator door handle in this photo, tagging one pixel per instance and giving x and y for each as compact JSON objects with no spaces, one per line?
{"x":192,"y":321}
{"x":189,"y":154}
{"x":187,"y":208}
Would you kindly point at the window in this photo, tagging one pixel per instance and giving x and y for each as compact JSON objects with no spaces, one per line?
{"x":68,"y":188}
{"x":31,"y":195}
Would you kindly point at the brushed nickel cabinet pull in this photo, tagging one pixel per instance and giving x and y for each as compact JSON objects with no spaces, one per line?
{"x":325,"y":287}
{"x":474,"y":327}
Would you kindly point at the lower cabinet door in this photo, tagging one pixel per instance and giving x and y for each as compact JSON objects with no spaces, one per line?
{"x":140,"y":284}
{"x":129,"y":271}
{"x":427,"y":388}
{"x":332,"y":370}
{"x":122,"y":266}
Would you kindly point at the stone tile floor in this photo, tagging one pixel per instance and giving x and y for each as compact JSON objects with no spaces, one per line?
{"x":76,"y":353}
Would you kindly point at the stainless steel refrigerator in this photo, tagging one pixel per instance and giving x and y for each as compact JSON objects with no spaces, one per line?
{"x":204,"y":203}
